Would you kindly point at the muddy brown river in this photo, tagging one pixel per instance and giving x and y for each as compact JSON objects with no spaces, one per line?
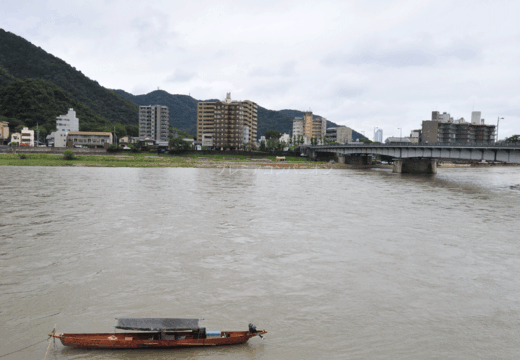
{"x":335,"y":264}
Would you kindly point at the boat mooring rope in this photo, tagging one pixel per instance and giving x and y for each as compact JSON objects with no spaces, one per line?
{"x":23,"y":348}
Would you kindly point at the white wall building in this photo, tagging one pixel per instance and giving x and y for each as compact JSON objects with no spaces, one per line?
{"x":378,"y":135}
{"x":286,"y":138}
{"x":64,"y":124}
{"x":475,"y":118}
{"x":24,"y":138}
{"x":298,"y":127}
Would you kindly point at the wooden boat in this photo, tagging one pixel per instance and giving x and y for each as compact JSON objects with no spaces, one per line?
{"x":157,"y":333}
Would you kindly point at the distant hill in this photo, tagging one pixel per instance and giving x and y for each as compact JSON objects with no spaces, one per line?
{"x":23,"y":60}
{"x":182,"y":108}
{"x":183,"y":112}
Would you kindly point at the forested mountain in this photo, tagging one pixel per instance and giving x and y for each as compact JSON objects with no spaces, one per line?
{"x":182,"y":108}
{"x":23,"y":60}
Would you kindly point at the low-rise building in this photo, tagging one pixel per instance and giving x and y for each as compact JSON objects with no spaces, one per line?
{"x":395,"y":139}
{"x":89,"y":139}
{"x":285,"y":138}
{"x":4,"y":132}
{"x":125,"y":140}
{"x":415,"y":136}
{"x":24,"y":137}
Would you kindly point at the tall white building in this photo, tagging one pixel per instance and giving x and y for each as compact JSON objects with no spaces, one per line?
{"x":153,"y":123}
{"x":64,"y":124}
{"x":378,"y":135}
{"x":475,"y":118}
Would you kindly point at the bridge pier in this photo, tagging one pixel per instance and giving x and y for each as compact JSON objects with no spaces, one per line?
{"x":358,"y":159}
{"x":340,"y":158}
{"x":415,"y":166}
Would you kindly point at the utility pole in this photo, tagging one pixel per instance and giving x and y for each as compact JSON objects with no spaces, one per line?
{"x":400,"y":134}
{"x":498,"y":121}
{"x":37,"y":133}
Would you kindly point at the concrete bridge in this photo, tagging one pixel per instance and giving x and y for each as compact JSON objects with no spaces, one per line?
{"x":418,"y":158}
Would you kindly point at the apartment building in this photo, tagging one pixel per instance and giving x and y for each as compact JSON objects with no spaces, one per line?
{"x":153,"y":123}
{"x":309,"y":127}
{"x":457,"y":131}
{"x":4,"y":132}
{"x":226,"y":124}
{"x":64,"y":124}
{"x":340,"y":134}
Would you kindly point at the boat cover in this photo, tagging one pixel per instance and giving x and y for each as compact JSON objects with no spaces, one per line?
{"x":157,"y":324}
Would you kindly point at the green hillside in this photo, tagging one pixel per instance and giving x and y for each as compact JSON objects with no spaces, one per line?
{"x":182,"y":108}
{"x":23,"y":60}
{"x":5,"y":77}
{"x":33,"y":101}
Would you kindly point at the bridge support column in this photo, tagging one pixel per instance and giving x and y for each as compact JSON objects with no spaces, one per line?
{"x":415,"y":166}
{"x":340,"y":158}
{"x":359,"y":160}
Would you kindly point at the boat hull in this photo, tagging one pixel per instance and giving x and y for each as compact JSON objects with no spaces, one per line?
{"x":150,"y":340}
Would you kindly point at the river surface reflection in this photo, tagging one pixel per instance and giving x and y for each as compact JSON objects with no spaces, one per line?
{"x":357,"y":264}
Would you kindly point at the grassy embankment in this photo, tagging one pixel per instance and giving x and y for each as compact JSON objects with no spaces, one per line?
{"x":152,"y":160}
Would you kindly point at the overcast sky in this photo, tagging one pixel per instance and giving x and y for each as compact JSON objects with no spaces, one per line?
{"x":364,"y":64}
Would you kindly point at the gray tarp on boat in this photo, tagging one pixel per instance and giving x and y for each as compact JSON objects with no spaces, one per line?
{"x":157,"y":324}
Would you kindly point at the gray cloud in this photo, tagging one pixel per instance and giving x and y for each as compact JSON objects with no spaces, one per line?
{"x":420,"y":52}
{"x":286,"y":69}
{"x":181,"y":76}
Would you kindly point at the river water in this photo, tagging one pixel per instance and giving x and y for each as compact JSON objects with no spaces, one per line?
{"x":335,"y":264}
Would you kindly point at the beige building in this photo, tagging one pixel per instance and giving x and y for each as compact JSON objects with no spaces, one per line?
{"x":439,"y":130}
{"x":89,"y":139}
{"x":153,"y":123}
{"x":4,"y":132}
{"x":226,"y":124}
{"x":309,"y":127}
{"x":340,"y":135}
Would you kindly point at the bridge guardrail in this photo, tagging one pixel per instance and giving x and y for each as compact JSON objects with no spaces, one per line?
{"x":407,"y":144}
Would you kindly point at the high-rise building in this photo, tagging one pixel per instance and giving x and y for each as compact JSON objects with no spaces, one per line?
{"x":378,"y":135}
{"x":226,"y":124}
{"x":309,"y":127}
{"x":64,"y":124}
{"x":153,"y":123}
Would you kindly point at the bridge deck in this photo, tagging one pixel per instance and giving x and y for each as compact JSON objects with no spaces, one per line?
{"x":508,"y":153}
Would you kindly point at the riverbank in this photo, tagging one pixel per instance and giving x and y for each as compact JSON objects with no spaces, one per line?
{"x":151,"y":160}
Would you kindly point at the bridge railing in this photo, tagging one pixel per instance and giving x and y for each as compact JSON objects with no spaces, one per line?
{"x":407,"y":144}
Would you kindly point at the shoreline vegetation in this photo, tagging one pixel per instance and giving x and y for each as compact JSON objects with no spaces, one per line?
{"x":189,"y":160}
